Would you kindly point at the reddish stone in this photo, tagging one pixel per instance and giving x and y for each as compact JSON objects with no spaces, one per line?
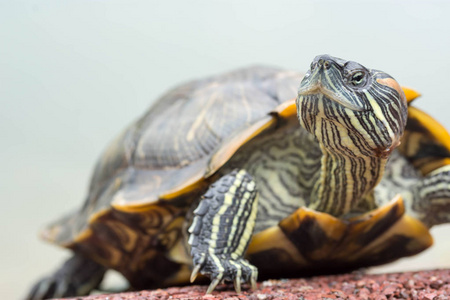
{"x":390,"y":288}
{"x":436,"y":284}
{"x":433,"y":285}
{"x":364,"y":293}
{"x":429,"y":296}
{"x":340,"y":294}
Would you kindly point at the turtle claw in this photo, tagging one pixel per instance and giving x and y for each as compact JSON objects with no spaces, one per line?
{"x":213,"y":285}
{"x":253,"y":278}
{"x":195,"y":272}
{"x":237,"y":284}
{"x":253,"y":282}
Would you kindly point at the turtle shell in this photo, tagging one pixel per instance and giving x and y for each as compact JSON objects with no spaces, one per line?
{"x":145,"y":182}
{"x":148,"y":171}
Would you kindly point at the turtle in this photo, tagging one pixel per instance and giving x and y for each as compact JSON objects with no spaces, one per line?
{"x":260,"y":173}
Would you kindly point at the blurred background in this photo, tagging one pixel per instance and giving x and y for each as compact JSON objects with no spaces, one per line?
{"x":74,"y":73}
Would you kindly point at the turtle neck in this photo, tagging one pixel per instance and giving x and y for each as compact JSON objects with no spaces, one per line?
{"x":347,"y":173}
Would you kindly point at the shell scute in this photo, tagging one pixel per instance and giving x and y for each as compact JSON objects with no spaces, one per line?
{"x":311,"y":242}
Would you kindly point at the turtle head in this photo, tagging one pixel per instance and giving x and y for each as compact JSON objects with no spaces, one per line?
{"x":342,"y":100}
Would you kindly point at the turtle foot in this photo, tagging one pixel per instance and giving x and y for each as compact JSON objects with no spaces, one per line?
{"x":50,"y":287}
{"x":432,"y":197}
{"x":221,"y":268}
{"x":77,"y":277}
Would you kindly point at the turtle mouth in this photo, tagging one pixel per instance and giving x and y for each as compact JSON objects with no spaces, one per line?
{"x":324,"y":81}
{"x":319,"y":89}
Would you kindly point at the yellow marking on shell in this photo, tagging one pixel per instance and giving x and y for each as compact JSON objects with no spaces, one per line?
{"x":432,"y":130}
{"x":333,"y":227}
{"x":98,"y":215}
{"x":274,"y":238}
{"x":227,"y":150}
{"x":406,"y":226}
{"x":114,"y":260}
{"x":82,"y":236}
{"x":122,"y":230}
{"x":361,"y":224}
{"x":395,"y":204}
{"x":286,"y":109}
{"x":437,"y":131}
{"x":195,"y":182}
{"x":410,"y":94}
{"x":433,"y":165}
{"x":340,"y":234}
{"x":85,"y":234}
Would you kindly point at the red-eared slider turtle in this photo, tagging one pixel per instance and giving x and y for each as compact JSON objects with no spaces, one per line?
{"x":231,"y":177}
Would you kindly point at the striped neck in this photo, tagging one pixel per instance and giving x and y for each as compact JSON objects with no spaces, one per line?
{"x":347,"y":173}
{"x":358,"y":116}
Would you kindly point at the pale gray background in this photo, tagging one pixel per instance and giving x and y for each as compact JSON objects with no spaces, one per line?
{"x":73,"y":73}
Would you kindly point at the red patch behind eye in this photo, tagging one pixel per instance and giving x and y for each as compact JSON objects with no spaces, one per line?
{"x":390,"y":82}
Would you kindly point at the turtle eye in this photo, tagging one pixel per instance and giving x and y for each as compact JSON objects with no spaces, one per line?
{"x":357,"y":78}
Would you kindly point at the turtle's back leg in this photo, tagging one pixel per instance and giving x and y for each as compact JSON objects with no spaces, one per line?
{"x":222,"y":228}
{"x":78,"y":276}
{"x":431,"y":197}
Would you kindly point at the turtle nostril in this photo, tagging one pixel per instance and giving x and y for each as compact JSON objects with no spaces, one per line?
{"x":324,"y":63}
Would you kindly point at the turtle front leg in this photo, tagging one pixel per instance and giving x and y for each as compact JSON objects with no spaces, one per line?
{"x":77,"y":277}
{"x":221,"y":231}
{"x":431,"y":197}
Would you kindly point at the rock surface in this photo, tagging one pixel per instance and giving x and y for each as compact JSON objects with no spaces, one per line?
{"x":427,"y":285}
